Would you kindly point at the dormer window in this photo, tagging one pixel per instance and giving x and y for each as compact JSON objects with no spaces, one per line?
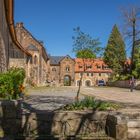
{"x":98,"y":67}
{"x":105,"y":67}
{"x":88,"y":66}
{"x":80,"y":67}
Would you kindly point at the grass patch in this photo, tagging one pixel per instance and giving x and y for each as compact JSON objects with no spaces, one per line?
{"x":91,"y":103}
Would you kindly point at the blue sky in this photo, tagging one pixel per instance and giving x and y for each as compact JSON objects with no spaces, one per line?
{"x":52,"y":21}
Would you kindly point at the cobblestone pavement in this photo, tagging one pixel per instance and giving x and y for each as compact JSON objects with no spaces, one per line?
{"x":50,"y":99}
{"x":119,"y":95}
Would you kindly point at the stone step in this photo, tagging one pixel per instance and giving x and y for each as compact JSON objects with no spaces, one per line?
{"x":78,"y":137}
{"x":133,"y":124}
{"x":134,"y":133}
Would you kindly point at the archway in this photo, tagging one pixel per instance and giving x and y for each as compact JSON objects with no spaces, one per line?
{"x":3,"y":61}
{"x":67,"y":80}
{"x":88,"y":83}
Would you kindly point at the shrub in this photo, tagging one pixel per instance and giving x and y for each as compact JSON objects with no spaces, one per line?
{"x":10,"y":83}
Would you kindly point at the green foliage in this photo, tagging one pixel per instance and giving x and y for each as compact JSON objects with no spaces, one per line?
{"x":115,"y":55}
{"x":85,"y":54}
{"x":84,"y":45}
{"x":10,"y":82}
{"x":91,"y":103}
{"x":136,"y":71}
{"x":125,"y":77}
{"x":108,"y":106}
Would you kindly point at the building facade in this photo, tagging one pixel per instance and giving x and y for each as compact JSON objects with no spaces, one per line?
{"x":92,"y":71}
{"x":38,"y":67}
{"x":18,"y":48}
{"x":61,"y":71}
{"x":65,"y":71}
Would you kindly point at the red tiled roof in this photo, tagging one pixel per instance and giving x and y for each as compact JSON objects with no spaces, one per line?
{"x":91,"y":65}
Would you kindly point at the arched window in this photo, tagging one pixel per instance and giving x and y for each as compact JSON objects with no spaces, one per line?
{"x":35,"y":60}
{"x":67,"y":68}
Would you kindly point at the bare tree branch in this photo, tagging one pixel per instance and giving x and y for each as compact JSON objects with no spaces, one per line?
{"x":131,"y":16}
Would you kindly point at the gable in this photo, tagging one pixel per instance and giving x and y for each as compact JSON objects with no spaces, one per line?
{"x":67,"y":58}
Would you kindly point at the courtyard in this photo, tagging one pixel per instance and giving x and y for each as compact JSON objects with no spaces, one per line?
{"x":52,"y":98}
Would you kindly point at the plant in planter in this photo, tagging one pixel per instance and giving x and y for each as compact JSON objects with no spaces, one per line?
{"x":91,"y":103}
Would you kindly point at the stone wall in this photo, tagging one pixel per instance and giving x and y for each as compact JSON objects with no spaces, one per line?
{"x":8,"y":46}
{"x":124,"y":126}
{"x":124,"y":84}
{"x":19,"y":63}
{"x":17,"y":122}
{"x":4,"y":38}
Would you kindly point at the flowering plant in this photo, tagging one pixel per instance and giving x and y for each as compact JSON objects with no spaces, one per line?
{"x":10,"y":82}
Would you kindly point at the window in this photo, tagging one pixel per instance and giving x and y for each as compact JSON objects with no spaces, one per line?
{"x":103,"y":67}
{"x":35,"y":60}
{"x":80,"y":67}
{"x":91,"y":74}
{"x":98,"y":67}
{"x":80,"y":74}
{"x":99,"y":74}
{"x":16,"y":54}
{"x":67,"y":68}
{"x":106,"y":67}
{"x":88,"y":66}
{"x":87,"y":74}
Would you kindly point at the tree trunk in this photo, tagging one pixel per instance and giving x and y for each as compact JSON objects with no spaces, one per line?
{"x":79,"y":87}
{"x":133,"y":46}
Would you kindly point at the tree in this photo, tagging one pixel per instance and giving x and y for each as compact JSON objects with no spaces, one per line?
{"x":115,"y":55}
{"x":85,"y":47}
{"x":136,"y":71}
{"x":131,"y":31}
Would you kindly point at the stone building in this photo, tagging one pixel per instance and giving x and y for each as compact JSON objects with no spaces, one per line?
{"x":61,"y":70}
{"x":11,"y":52}
{"x":93,"y":70}
{"x":18,"y":48}
{"x":38,"y":67}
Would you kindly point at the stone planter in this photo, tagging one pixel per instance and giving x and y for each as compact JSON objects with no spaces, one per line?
{"x":9,"y":117}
